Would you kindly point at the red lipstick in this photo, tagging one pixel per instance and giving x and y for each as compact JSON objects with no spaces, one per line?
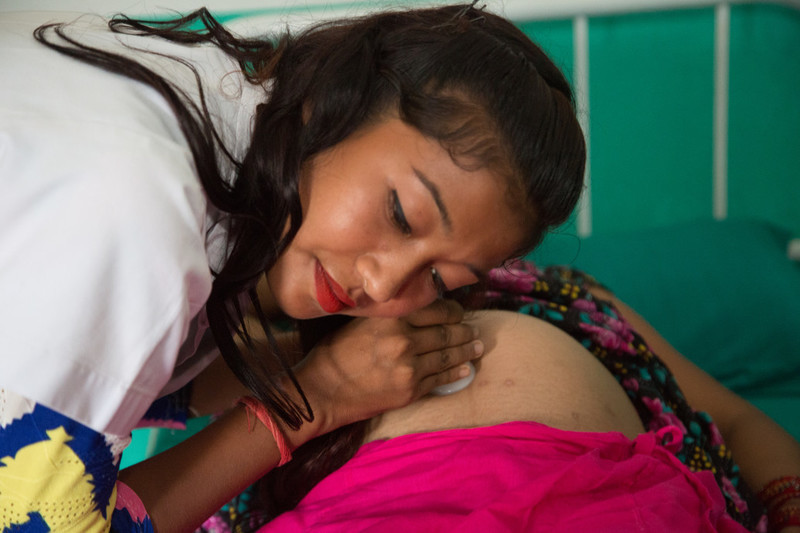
{"x":330,"y":295}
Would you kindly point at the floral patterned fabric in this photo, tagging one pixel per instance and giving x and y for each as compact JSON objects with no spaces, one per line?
{"x":561,"y":297}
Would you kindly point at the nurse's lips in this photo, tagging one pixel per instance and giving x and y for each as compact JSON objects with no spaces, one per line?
{"x":330,"y":295}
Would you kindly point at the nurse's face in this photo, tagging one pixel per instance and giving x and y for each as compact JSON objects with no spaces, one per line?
{"x":390,"y":220}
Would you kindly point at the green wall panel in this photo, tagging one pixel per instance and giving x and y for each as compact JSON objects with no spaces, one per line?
{"x":764,"y":156}
{"x":651,"y":114}
{"x":555,"y":38}
{"x":651,"y":100}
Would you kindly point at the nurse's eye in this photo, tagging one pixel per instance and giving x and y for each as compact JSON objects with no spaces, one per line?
{"x":438,"y":282}
{"x":398,"y":216}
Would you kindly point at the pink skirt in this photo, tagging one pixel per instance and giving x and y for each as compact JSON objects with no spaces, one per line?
{"x":519,"y":476}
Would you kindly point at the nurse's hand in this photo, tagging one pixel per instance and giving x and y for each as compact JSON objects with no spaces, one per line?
{"x":375,"y":364}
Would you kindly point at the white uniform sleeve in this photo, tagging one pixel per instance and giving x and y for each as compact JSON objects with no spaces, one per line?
{"x":99,"y":277}
{"x":102,"y":252}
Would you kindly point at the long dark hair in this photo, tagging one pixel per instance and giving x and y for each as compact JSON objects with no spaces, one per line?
{"x":458,"y":74}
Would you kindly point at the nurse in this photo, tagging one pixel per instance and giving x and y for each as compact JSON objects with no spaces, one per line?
{"x":161,"y":181}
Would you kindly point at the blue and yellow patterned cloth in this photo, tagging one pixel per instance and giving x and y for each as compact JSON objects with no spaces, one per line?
{"x":59,"y":475}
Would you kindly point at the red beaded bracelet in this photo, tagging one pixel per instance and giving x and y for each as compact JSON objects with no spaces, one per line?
{"x":775,"y":495}
{"x":779,"y":490}
{"x":257,"y":408}
{"x":784,"y":516}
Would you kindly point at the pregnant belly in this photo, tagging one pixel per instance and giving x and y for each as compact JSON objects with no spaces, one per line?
{"x":531,"y":371}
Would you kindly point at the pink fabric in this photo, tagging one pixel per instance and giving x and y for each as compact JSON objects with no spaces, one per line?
{"x":519,"y":476}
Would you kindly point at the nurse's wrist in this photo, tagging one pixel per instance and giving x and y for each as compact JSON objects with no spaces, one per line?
{"x":309,"y":429}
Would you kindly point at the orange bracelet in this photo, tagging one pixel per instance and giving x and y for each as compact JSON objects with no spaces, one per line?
{"x":257,"y":408}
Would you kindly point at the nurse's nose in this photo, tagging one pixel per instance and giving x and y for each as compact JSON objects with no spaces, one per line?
{"x":385,"y":276}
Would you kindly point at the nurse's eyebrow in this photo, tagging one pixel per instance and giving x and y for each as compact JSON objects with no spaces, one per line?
{"x":437,"y":198}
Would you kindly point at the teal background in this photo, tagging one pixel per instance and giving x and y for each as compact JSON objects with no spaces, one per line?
{"x":651,"y":87}
{"x":764,"y":161}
